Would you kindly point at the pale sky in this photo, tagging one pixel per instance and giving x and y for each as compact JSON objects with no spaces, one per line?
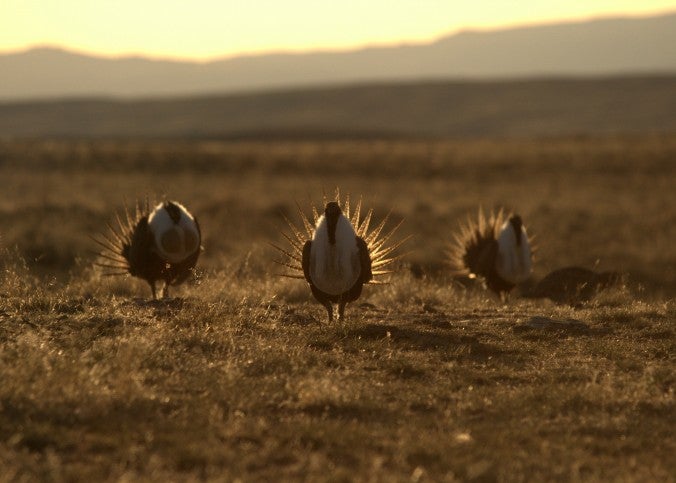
{"x":206,"y":29}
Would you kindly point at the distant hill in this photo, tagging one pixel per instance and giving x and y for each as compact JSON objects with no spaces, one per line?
{"x":547,"y":107}
{"x":598,"y":47}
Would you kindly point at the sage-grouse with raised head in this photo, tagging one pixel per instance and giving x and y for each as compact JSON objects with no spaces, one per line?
{"x":337,"y":254}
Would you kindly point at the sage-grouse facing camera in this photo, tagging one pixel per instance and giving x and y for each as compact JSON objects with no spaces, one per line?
{"x":495,"y":249}
{"x":336,"y":254}
{"x":159,"y":245}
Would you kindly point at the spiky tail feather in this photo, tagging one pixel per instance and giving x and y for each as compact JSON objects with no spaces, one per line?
{"x":471,"y":241}
{"x":113,"y":244}
{"x":381,"y":253}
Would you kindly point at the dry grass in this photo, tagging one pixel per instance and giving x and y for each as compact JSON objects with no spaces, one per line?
{"x":241,"y":377}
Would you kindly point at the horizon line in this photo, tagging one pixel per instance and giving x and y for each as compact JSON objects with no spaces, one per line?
{"x":335,"y":50}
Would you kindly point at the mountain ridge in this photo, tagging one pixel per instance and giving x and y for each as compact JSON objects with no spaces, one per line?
{"x":606,"y":46}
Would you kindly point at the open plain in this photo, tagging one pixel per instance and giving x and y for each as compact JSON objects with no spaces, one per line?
{"x":240,"y":377}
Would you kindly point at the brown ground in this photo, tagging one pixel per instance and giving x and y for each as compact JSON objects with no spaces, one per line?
{"x":241,"y":377}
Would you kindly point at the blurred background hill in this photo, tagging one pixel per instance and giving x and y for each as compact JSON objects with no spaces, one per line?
{"x":595,"y":77}
{"x":598,"y":47}
{"x":425,"y":109}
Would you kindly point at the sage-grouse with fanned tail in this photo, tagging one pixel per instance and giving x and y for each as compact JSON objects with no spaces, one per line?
{"x":159,"y":245}
{"x":336,"y":253}
{"x":495,"y":248}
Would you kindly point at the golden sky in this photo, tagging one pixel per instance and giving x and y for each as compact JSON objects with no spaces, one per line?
{"x":205,"y":29}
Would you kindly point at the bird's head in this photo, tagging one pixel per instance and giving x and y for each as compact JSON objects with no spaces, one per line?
{"x":332,"y":210}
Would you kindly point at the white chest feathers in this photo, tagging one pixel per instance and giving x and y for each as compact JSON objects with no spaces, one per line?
{"x":514,"y":260}
{"x":334,"y":268}
{"x":176,"y":234}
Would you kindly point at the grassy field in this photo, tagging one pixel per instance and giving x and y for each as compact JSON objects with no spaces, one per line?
{"x":240,"y":376}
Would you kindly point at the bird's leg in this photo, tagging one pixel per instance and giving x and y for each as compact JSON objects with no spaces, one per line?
{"x":329,"y":309}
{"x":152,"y":288}
{"x":341,"y":310}
{"x":165,"y":290}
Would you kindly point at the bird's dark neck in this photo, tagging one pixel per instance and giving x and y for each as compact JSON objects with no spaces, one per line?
{"x":331,"y":222}
{"x":174,"y":211}
{"x":516,"y":223}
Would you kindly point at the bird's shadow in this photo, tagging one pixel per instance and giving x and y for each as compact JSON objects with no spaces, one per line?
{"x":161,"y":305}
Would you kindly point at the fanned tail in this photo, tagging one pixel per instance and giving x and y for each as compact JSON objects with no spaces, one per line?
{"x":113,"y":244}
{"x":470,"y":242}
{"x":378,"y":241}
{"x":468,"y":248}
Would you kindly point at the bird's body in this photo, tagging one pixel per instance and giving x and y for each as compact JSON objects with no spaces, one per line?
{"x":514,"y":258}
{"x":158,"y":245}
{"x":337,"y":254}
{"x":495,"y":249}
{"x":336,"y":262}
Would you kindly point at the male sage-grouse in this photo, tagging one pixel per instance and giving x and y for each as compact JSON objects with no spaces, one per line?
{"x":494,"y":248}
{"x":336,"y":253}
{"x":158,"y":245}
